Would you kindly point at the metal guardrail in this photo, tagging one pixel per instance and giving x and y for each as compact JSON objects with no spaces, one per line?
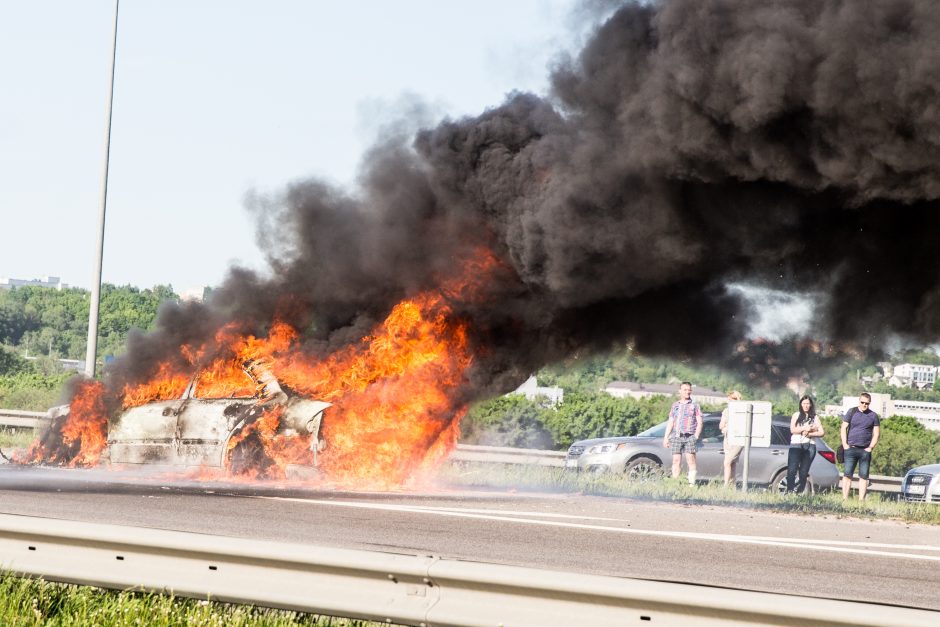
{"x":411,"y":589}
{"x":18,"y":418}
{"x":464,"y":452}
{"x":880,"y":483}
{"x":505,"y":455}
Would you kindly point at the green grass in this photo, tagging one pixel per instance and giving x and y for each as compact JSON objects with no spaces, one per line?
{"x":25,"y":602}
{"x":11,"y":437}
{"x":549,"y":479}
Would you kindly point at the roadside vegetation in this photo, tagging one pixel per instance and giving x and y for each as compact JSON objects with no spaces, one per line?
{"x":40,"y":326}
{"x":12,"y":437}
{"x":34,"y":602}
{"x":551,"y":479}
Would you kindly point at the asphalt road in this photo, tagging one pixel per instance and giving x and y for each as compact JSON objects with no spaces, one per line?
{"x":884,"y":561}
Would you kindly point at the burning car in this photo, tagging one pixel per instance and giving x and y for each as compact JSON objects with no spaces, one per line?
{"x":199,"y":429}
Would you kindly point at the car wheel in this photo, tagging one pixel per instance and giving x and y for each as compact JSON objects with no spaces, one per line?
{"x":248,"y":458}
{"x":779,"y":483}
{"x":643,"y":469}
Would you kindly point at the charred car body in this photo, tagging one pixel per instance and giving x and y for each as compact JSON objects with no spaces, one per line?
{"x":204,"y":431}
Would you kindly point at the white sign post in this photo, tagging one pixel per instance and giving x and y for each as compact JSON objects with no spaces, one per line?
{"x":749,"y":425}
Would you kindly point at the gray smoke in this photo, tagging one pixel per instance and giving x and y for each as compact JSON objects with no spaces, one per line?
{"x":691,"y":144}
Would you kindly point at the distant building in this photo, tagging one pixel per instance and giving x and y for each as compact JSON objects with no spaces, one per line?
{"x":193,"y":294}
{"x":921,"y":376}
{"x":886,"y":368}
{"x":632,"y":389}
{"x":68,"y":365}
{"x":927,"y":414}
{"x":531,"y":390}
{"x":48,"y":281}
{"x":77,"y":365}
{"x":833,"y":410}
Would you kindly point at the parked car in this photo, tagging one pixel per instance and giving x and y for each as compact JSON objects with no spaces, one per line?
{"x":922,"y":484}
{"x":642,"y":457}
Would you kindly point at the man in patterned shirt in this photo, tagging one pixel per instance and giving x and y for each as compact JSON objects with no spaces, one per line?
{"x":682,"y":430}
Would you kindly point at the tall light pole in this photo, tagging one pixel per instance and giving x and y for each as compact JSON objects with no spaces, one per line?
{"x":91,"y":353}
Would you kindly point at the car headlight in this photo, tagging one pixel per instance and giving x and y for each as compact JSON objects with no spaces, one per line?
{"x":919,"y":479}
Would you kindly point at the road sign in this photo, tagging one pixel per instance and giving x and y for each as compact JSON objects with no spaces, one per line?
{"x":760,"y":423}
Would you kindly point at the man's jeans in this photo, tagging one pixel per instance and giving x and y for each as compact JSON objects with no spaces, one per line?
{"x":799,"y":460}
{"x":857,"y":455}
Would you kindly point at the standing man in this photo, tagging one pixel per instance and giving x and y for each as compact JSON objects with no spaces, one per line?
{"x":682,"y":430}
{"x":732,"y":452}
{"x":861,"y":429}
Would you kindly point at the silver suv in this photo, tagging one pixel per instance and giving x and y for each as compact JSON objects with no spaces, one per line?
{"x":642,"y":457}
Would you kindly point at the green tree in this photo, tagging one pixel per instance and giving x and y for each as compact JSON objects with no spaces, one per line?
{"x":507,"y":421}
{"x":12,"y":364}
{"x":55,"y":322}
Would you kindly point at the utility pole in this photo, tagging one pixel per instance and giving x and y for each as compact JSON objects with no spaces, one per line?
{"x":91,"y":354}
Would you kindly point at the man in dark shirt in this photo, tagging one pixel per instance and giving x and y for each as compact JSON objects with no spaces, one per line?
{"x":861,"y":429}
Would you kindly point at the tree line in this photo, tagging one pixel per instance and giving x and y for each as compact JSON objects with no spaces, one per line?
{"x":39,"y":326}
{"x":42,"y":322}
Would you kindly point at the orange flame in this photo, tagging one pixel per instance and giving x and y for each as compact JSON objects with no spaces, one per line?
{"x":81,"y":438}
{"x":164,"y":385}
{"x":393,"y":392}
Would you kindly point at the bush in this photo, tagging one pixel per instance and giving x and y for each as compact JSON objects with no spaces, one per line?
{"x":515,"y":421}
{"x":507,"y":421}
{"x":32,"y":391}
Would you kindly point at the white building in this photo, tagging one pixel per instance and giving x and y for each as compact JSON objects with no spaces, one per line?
{"x":632,"y":389}
{"x":47,"y":281}
{"x":193,"y":294}
{"x":913,"y":375}
{"x":531,"y":390}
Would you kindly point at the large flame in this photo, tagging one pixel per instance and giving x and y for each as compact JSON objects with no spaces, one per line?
{"x":393,"y":393}
{"x":80,"y":437}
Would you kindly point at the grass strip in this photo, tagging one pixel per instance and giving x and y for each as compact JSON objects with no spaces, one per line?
{"x":13,"y":437}
{"x":27,"y":602}
{"x":551,"y":479}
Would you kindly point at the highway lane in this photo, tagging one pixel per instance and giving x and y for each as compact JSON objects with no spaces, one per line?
{"x":883,"y":561}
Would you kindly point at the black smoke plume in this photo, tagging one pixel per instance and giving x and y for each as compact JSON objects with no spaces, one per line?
{"x":689,"y":145}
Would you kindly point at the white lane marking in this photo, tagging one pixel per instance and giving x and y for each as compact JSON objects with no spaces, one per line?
{"x":507,"y":512}
{"x":813,"y":544}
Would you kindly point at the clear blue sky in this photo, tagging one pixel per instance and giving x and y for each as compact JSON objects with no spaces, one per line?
{"x":214,"y":98}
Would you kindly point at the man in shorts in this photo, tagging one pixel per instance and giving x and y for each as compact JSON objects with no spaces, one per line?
{"x":732,"y":452}
{"x":861,"y":430}
{"x":682,"y":430}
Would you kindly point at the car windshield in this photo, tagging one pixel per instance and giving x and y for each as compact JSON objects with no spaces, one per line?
{"x":653,"y":432}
